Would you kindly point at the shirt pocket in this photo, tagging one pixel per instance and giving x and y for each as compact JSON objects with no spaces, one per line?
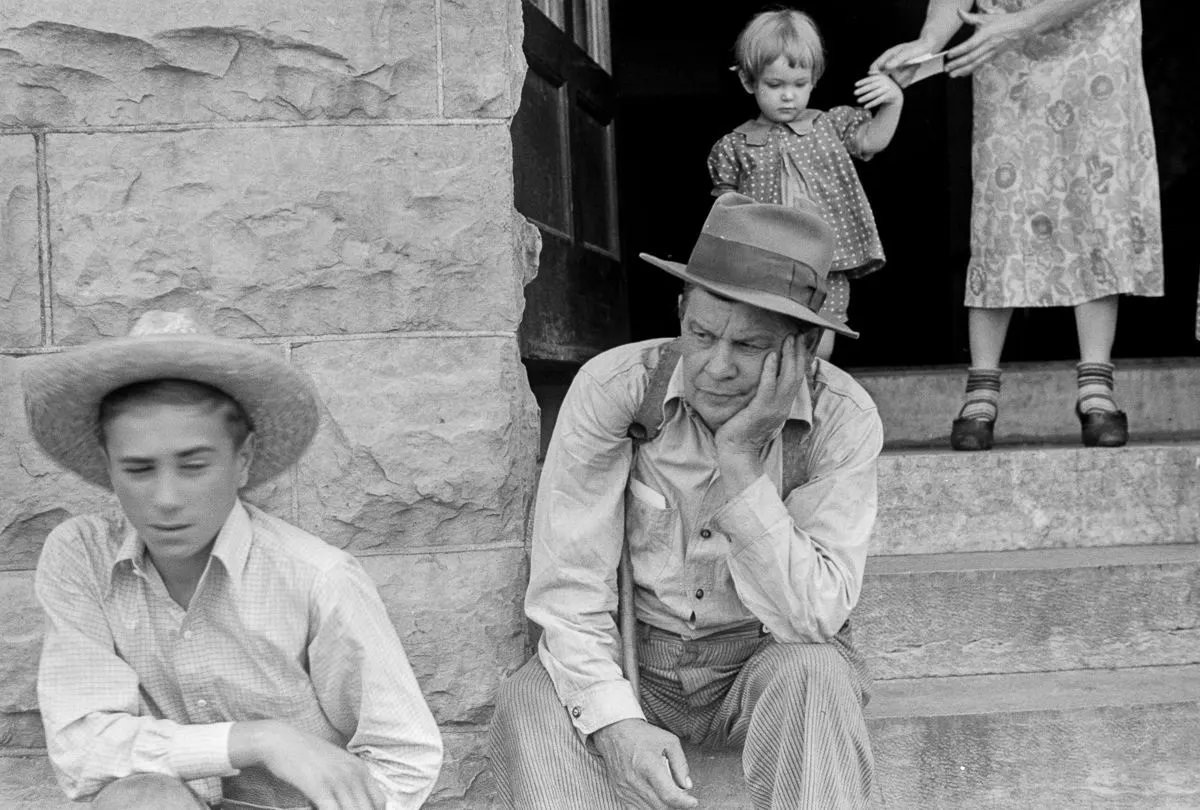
{"x":650,"y":532}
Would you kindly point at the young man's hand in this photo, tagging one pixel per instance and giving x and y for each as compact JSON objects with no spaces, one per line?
{"x":646,"y":765}
{"x":331,"y":777}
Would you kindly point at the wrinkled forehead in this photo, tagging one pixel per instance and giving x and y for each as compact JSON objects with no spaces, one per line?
{"x":734,"y":319}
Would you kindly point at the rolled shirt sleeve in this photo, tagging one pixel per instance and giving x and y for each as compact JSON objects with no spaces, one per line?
{"x":95,"y":729}
{"x":577,"y":537}
{"x":798,"y":565}
{"x":367,"y":689}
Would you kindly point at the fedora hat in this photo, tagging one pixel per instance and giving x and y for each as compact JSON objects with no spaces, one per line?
{"x":773,"y":257}
{"x":63,"y":391}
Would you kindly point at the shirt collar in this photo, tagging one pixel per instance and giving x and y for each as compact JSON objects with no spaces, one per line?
{"x":802,"y":405}
{"x":757,"y":129}
{"x":232,"y":546}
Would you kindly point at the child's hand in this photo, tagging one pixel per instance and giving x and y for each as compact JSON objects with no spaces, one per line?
{"x":877,"y":90}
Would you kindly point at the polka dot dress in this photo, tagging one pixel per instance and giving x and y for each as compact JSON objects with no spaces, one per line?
{"x":815,"y":150}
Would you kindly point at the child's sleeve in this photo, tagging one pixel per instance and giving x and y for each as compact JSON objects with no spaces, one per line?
{"x":724,"y":167}
{"x":847,"y":123}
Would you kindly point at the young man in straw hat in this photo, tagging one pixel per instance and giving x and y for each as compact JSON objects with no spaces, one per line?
{"x":740,"y":473}
{"x":200,"y":652}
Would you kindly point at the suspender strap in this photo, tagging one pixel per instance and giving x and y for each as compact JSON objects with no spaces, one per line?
{"x":647,"y":422}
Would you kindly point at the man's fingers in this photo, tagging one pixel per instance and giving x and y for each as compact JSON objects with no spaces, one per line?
{"x":679,"y":765}
{"x":662,"y":782}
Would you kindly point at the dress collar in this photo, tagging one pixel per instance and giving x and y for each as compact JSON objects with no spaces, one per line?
{"x":756,"y":129}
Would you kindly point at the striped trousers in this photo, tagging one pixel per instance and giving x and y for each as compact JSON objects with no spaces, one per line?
{"x":795,"y":710}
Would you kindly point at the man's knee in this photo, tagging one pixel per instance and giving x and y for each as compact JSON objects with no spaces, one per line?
{"x":798,"y":669}
{"x":527,"y":691}
{"x":147,"y":791}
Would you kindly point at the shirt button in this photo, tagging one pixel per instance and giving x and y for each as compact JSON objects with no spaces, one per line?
{"x":575,"y":712}
{"x":706,"y":533}
{"x":201,"y":703}
{"x":699,"y":593}
{"x":187,"y":633}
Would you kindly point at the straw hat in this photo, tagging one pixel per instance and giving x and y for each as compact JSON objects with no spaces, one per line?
{"x":63,"y":391}
{"x":773,"y":257}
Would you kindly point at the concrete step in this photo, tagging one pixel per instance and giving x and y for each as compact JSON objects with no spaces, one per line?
{"x":933,"y":501}
{"x":1030,"y":611}
{"x":1098,"y":738}
{"x":1037,"y":401}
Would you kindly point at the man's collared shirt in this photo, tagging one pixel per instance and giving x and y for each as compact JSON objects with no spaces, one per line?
{"x":704,"y":559}
{"x":281,"y":626}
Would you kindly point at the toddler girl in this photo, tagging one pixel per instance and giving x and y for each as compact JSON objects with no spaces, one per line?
{"x":792,"y":151}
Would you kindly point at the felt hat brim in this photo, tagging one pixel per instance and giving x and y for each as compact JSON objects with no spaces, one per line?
{"x":63,"y":393}
{"x":755,"y":298}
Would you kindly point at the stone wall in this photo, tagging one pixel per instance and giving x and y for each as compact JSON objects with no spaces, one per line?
{"x":333,"y":180}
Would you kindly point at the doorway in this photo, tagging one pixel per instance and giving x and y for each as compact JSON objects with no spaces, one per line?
{"x":675,"y":96}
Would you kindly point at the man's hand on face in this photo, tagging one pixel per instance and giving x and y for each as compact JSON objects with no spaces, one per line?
{"x":646,"y":765}
{"x":331,"y":777}
{"x":741,"y":439}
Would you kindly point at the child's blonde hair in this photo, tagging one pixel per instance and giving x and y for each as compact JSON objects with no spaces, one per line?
{"x":772,"y":34}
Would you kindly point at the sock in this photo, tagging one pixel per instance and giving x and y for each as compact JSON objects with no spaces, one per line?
{"x":983,"y":394}
{"x":1095,"y":382}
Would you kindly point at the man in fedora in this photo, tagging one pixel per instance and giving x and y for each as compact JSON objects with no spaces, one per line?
{"x":200,"y":652}
{"x":741,"y":477}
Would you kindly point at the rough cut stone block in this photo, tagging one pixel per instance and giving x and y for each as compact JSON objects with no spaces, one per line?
{"x":459,"y":615}
{"x":483,"y":65}
{"x":27,"y":783}
{"x":1037,"y":498}
{"x":20,"y":642}
{"x":65,"y":63}
{"x":425,"y":442}
{"x":35,"y":494}
{"x":20,"y":286}
{"x":293,"y":231}
{"x":466,"y":781}
{"x":21,"y":730}
{"x":1030,"y":611}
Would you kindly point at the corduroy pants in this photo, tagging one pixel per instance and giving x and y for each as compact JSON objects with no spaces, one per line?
{"x":795,"y":710}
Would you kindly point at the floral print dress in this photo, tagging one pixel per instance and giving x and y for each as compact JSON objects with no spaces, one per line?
{"x":1065,"y":206}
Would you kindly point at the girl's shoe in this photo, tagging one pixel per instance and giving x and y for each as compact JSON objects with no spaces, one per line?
{"x":1103,"y":428}
{"x":972,"y":434}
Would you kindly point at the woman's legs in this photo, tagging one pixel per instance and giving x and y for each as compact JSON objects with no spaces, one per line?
{"x":1103,"y":424}
{"x":1096,"y":325}
{"x":986,"y":329}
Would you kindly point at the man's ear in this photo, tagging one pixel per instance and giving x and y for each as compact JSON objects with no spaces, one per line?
{"x":679,"y":302}
{"x":245,"y":458}
{"x":747,"y":81}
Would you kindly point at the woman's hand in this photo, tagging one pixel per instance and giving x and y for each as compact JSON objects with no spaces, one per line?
{"x":993,"y":34}
{"x":890,"y":61}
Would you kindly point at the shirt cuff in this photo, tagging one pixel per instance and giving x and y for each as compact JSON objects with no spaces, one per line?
{"x":201,"y":750}
{"x":602,"y":705}
{"x":750,"y":514}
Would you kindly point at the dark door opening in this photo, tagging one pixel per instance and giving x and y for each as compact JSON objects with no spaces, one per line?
{"x":675,"y":96}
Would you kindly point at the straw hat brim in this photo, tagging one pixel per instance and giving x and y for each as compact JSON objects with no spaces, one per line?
{"x":755,"y":298}
{"x":63,"y":393}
